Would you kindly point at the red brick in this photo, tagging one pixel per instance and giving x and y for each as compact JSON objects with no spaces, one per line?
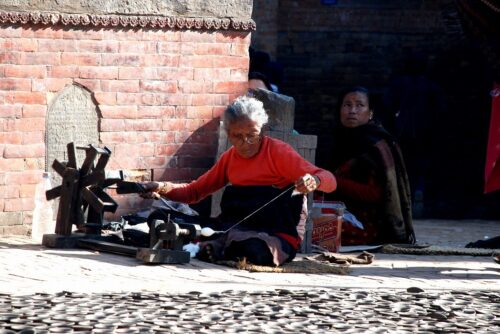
{"x":242,"y":37}
{"x":162,"y":35}
{"x":11,"y":57}
{"x":50,"y":84}
{"x":231,"y":62}
{"x":144,"y":124}
{"x":210,"y":100}
{"x":15,"y":84}
{"x":25,"y":71}
{"x":146,"y":150}
{"x":12,"y":165}
{"x":118,"y":137}
{"x":27,"y":45}
{"x":92,"y":85}
{"x":167,"y":149}
{"x":135,"y":47}
{"x":34,"y":110}
{"x":27,"y":190}
{"x":24,"y":151}
{"x":238,"y":87}
{"x":174,"y":73}
{"x":112,"y":125}
{"x":96,"y":46}
{"x":187,"y":49}
{"x":49,"y":32}
{"x":238,"y":75}
{"x":169,"y":47}
{"x":10,"y":111}
{"x":13,"y":138}
{"x":161,"y":60}
{"x":154,"y":162}
{"x":199,"y":150}
{"x":15,"y":229}
{"x":239,"y":50}
{"x":62,"y":71}
{"x":155,"y":137}
{"x":98,"y":72}
{"x":33,"y":163}
{"x":145,"y":73}
{"x":148,"y":99}
{"x":174,"y":174}
{"x":80,"y":59}
{"x":174,"y":124}
{"x":123,"y":60}
{"x":207,"y":124}
{"x":41,"y":58}
{"x":182,"y":136}
{"x":19,"y":204}
{"x":11,"y":31}
{"x":105,"y":98}
{"x":180,"y":112}
{"x":33,"y":137}
{"x":201,"y":86}
{"x":7,"y":44}
{"x":79,"y":33}
{"x":176,"y":99}
{"x":9,"y":191}
{"x":212,"y":48}
{"x":197,"y":61}
{"x":218,"y":111}
{"x":119,"y":112}
{"x":124,"y":150}
{"x":25,"y":98}
{"x":154,"y":111}
{"x":198,"y":36}
{"x":56,"y":45}
{"x":213,"y":74}
{"x":123,"y":86}
{"x":169,"y":112}
{"x":199,"y":112}
{"x":23,"y":177}
{"x":158,"y":86}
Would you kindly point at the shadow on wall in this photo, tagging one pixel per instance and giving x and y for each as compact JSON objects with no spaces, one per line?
{"x":195,"y":156}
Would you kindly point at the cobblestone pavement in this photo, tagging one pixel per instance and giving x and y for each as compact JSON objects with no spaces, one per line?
{"x":457,"y":291}
{"x":278,"y":311}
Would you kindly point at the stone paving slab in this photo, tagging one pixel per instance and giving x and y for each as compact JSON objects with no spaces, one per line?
{"x":28,"y":268}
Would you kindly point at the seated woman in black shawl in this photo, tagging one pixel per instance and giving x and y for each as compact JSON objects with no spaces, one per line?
{"x":371,"y":176}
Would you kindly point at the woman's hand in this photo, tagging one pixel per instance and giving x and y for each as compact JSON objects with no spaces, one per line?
{"x":154,"y":190}
{"x":307,"y":183}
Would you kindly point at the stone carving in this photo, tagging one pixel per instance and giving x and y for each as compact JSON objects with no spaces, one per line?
{"x":72,"y":117}
{"x":189,"y":23}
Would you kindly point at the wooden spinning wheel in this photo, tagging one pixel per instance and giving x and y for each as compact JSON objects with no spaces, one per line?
{"x":82,"y":191}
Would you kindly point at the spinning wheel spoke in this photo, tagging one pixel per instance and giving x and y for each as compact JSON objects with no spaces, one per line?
{"x":82,"y":191}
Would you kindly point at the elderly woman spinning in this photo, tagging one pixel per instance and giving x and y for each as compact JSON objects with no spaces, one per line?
{"x":256,"y":169}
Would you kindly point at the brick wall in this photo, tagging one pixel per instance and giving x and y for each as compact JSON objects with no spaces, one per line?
{"x":160,"y":93}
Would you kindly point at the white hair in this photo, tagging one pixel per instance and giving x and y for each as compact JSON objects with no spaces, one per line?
{"x":245,"y":107}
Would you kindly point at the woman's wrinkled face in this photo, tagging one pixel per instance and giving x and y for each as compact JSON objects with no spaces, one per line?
{"x":355,"y":110}
{"x":245,"y":135}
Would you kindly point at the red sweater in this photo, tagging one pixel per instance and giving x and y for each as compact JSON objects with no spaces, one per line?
{"x":276,"y":163}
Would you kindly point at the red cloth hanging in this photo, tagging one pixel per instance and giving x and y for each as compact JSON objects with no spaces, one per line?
{"x":492,"y":169}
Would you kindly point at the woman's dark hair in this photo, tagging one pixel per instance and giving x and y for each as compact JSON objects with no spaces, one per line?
{"x":260,"y":76}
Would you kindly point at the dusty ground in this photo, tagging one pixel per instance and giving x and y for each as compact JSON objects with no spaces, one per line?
{"x":29,"y":268}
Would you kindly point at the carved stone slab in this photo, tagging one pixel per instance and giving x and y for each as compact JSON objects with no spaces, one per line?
{"x":72,"y":117}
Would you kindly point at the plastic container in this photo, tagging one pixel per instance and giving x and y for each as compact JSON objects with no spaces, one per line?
{"x":43,"y":222}
{"x":327,"y":219}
